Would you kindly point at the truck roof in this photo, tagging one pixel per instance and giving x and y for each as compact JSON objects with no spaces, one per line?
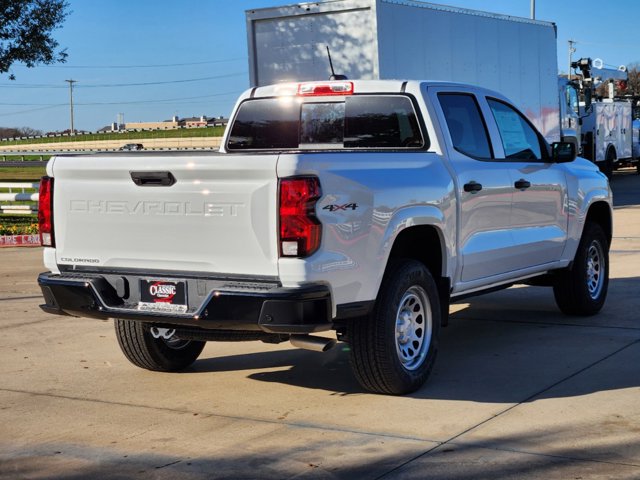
{"x":363,"y":86}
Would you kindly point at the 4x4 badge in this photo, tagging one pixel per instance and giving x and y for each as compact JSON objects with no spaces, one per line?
{"x":345,"y":207}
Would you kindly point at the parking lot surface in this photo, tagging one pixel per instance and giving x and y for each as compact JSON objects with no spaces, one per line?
{"x":519,"y":391}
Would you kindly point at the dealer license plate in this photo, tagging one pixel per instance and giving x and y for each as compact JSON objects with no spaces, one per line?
{"x":163,"y":296}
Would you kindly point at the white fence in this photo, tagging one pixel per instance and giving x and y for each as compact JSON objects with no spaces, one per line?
{"x":19,"y":192}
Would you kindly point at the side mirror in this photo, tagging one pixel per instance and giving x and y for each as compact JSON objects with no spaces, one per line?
{"x":563,"y":152}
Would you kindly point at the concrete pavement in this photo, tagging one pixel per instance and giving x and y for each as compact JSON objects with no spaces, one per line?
{"x":519,"y":391}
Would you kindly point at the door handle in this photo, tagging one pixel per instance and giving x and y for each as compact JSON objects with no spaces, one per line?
{"x":472,"y":187}
{"x":522,"y":184}
{"x":153,"y":179}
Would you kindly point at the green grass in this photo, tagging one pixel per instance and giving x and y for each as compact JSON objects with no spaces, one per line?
{"x":21,"y":158}
{"x":21,"y":174}
{"x":19,"y":224}
{"x":174,"y":133}
{"x":8,"y":219}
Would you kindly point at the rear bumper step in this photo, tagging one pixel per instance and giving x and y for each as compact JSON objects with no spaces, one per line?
{"x":299,"y":310}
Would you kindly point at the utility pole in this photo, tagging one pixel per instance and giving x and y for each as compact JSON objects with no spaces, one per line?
{"x":533,"y":9}
{"x":571,"y":51}
{"x":71,"y":82}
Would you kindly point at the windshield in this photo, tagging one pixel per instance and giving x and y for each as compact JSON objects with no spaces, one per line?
{"x":353,"y":122}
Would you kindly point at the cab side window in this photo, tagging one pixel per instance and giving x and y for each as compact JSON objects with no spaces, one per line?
{"x":466,"y":125}
{"x":519,"y":139}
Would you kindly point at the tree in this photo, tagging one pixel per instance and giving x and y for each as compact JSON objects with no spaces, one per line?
{"x":29,"y":132}
{"x":9,"y":132}
{"x":633,"y":85}
{"x":19,"y":132}
{"x":25,"y":32}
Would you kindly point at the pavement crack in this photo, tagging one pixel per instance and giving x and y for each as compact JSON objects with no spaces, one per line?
{"x":168,"y":464}
{"x":291,"y":424}
{"x":26,"y":324}
{"x":31,"y":297}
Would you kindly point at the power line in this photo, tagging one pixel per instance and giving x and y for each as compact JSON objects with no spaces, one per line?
{"x":135,"y":102}
{"x":6,"y":114}
{"x":208,"y":62}
{"x":110,"y":85}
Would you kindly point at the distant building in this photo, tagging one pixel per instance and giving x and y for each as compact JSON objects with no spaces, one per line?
{"x":165,"y":125}
{"x":175,"y":122}
{"x":194,"y":121}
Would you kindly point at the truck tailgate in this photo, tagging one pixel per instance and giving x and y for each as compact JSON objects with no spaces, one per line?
{"x":218,"y":217}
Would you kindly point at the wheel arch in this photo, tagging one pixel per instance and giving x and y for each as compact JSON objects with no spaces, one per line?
{"x":423,"y":243}
{"x":600,"y":213}
{"x":426,"y":244}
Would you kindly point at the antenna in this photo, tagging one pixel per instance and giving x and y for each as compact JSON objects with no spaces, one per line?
{"x":333,"y":73}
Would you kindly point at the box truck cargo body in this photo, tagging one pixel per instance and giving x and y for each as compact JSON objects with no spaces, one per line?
{"x":636,"y":138}
{"x":387,"y":39}
{"x":608,"y":131}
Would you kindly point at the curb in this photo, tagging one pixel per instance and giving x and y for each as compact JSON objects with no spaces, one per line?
{"x":19,"y":241}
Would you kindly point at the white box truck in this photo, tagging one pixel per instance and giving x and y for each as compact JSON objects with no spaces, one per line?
{"x":389,"y":39}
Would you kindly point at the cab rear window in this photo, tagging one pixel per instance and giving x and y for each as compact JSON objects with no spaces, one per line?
{"x":354,"y":122}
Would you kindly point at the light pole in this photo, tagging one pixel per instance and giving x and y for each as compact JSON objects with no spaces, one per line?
{"x":71,"y":82}
{"x":533,"y":9}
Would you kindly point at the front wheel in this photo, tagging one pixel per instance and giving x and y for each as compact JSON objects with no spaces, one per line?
{"x":394,"y":350}
{"x":582,"y":289}
{"x":166,"y":353}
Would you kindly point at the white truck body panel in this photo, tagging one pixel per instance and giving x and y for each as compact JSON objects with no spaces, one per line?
{"x":636,"y":138}
{"x":386,"y":39}
{"x":610,"y":124}
{"x":220,"y":216}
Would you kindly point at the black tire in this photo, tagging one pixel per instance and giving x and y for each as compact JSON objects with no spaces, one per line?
{"x":582,"y":289}
{"x":606,"y":166}
{"x":157,"y":354}
{"x":387,"y":357}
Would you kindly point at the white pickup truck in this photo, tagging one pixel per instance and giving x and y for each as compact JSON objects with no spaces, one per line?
{"x":362,"y":207}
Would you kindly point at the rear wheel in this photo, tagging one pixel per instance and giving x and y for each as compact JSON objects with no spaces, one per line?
{"x":606,"y":166}
{"x":394,"y":350}
{"x":162,"y":352}
{"x":582,"y":289}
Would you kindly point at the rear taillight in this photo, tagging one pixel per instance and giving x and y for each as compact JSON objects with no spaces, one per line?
{"x":45,"y":212}
{"x":300,"y":230}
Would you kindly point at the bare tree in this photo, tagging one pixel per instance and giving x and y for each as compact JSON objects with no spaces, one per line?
{"x":633,"y":85}
{"x":9,"y":132}
{"x":29,"y":132}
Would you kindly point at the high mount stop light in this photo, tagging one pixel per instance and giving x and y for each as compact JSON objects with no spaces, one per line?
{"x":325,"y":88}
{"x":300,"y":230}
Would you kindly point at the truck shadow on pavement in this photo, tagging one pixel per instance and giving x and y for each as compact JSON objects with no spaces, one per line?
{"x":624,"y":185}
{"x":508,"y":456}
{"x":509,"y":346}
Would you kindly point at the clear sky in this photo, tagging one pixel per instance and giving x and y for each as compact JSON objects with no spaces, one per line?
{"x":152,"y":59}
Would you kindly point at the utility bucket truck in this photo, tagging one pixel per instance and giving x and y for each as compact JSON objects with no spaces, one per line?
{"x":387,"y":39}
{"x":607,"y":132}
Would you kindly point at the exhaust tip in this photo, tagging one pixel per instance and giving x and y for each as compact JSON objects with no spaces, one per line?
{"x":316,"y":344}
